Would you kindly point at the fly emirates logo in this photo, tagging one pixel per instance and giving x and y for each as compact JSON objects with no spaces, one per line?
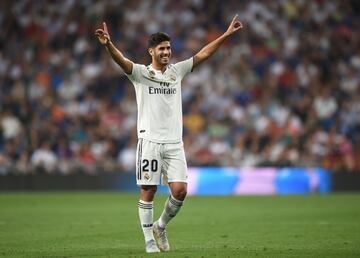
{"x":162,"y":90}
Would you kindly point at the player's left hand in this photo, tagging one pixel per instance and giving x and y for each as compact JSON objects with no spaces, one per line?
{"x":234,"y":26}
{"x":103,"y":34}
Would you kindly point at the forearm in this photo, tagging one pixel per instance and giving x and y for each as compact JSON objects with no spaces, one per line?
{"x":119,"y":58}
{"x":209,"y":49}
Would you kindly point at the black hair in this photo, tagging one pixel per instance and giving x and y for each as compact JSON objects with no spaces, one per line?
{"x":156,"y":38}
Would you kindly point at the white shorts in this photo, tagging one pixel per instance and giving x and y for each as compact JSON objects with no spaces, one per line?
{"x":154,"y":160}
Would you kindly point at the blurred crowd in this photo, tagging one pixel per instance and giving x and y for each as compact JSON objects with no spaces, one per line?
{"x":284,"y":91}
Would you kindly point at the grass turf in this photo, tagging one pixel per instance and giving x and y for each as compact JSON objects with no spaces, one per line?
{"x":103,"y":224}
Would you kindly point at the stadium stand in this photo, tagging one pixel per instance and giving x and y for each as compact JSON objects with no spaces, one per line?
{"x":286,"y":93}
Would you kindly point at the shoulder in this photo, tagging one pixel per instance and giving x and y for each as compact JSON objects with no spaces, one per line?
{"x":184,"y":66}
{"x":186,"y":62}
{"x":138,"y":69}
{"x":139,"y":66}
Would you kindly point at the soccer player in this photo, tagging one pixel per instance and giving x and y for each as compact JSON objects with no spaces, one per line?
{"x":160,"y":151}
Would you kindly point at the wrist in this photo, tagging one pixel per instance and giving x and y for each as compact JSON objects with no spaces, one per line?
{"x":108,"y":43}
{"x":226,"y":34}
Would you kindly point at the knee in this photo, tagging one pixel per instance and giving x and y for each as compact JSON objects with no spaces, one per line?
{"x":180,"y":193}
{"x":148,"y":192}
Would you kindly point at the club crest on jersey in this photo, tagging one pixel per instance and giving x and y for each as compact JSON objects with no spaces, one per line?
{"x":172,"y":77}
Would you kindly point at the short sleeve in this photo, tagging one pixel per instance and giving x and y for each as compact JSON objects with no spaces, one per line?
{"x":135,"y":73}
{"x":184,"y":67}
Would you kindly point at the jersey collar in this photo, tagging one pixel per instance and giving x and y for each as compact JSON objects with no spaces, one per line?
{"x":153,"y":70}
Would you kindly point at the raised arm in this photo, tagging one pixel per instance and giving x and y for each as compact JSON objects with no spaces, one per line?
{"x":211,"y":48}
{"x":117,"y":56}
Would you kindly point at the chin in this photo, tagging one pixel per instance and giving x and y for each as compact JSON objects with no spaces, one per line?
{"x":161,"y":62}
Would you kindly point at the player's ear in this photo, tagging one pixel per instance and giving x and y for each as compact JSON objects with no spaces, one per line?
{"x":151,"y":51}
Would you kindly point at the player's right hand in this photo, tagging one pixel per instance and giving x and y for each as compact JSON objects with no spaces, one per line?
{"x":103,"y":34}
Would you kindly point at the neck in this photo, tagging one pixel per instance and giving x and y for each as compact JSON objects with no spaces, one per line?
{"x":157,"y":66}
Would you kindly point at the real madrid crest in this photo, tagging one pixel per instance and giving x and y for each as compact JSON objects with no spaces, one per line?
{"x":172,"y":77}
{"x":147,"y":176}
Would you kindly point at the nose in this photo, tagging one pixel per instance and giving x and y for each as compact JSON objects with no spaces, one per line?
{"x":166,"y":52}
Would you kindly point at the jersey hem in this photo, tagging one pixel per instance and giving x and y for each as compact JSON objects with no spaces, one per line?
{"x":160,"y":141}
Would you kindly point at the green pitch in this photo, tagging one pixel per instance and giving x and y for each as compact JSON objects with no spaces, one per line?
{"x":106,"y":225}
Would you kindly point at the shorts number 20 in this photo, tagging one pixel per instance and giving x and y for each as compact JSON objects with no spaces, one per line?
{"x":153,"y":165}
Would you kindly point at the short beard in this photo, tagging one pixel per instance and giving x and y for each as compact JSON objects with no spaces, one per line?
{"x":160,"y":62}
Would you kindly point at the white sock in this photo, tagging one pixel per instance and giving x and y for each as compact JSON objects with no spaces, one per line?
{"x":146,"y":219}
{"x":172,"y":207}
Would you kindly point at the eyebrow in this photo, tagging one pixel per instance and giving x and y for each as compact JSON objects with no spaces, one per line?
{"x":166,"y":47}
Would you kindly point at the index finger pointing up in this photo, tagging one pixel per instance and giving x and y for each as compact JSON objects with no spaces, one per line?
{"x":234,"y":18}
{"x":105,"y":27}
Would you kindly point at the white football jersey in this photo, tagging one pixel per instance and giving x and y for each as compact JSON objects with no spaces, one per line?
{"x":158,"y":97}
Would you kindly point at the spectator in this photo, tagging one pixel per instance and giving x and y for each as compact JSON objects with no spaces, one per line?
{"x":44,"y":158}
{"x":285,"y":93}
